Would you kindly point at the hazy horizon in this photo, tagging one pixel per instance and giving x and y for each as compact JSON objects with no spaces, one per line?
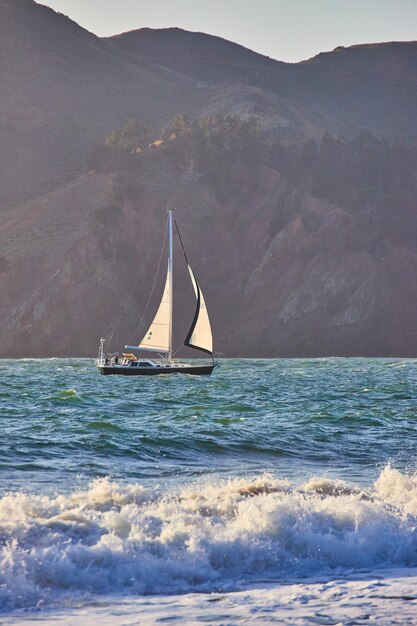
{"x":284,"y":30}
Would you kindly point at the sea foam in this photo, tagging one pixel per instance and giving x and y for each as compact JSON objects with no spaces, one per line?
{"x":132,"y":539}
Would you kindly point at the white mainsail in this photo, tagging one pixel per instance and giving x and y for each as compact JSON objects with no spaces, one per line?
{"x":157,"y":338}
{"x":199,"y":335}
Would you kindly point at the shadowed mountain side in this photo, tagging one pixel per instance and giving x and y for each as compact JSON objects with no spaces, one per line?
{"x":390,"y":62}
{"x":63,"y":89}
{"x":284,"y":272}
{"x":305,"y":244}
{"x":203,"y":56}
{"x":369,"y":87}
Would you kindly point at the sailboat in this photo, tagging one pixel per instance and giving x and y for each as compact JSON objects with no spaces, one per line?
{"x":159,"y":337}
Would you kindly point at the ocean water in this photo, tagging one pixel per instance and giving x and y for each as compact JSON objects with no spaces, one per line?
{"x":276,"y":491}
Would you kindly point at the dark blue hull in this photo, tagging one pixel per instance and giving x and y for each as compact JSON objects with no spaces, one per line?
{"x":120,"y":370}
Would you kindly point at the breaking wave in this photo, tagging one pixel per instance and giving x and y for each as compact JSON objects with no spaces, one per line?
{"x":114,"y":538}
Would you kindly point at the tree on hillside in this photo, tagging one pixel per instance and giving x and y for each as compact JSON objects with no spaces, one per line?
{"x":176,"y":128}
{"x":134,"y":136}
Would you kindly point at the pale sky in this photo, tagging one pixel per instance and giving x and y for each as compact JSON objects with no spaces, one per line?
{"x":287,"y":30}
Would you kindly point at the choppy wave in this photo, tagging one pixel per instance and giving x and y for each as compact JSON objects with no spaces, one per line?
{"x":132,"y":539}
{"x":59,"y":420}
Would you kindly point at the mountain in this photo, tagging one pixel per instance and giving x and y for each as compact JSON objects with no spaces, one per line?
{"x":306,"y":244}
{"x":345,"y":91}
{"x":63,"y":89}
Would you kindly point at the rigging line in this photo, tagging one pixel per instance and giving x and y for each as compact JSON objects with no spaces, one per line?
{"x":183,"y":249}
{"x":134,"y":286}
{"x":198,"y":297}
{"x":182,"y":245}
{"x":153,"y":287}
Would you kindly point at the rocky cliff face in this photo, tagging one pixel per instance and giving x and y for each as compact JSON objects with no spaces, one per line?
{"x":284,"y":272}
{"x":303,"y":248}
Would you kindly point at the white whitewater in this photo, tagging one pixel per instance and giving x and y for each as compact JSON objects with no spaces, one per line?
{"x":233,"y":536}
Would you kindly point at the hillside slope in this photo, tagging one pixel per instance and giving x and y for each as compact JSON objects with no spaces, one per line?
{"x":368,"y":87}
{"x":290,"y":263}
{"x":305,"y":244}
{"x":63,"y":89}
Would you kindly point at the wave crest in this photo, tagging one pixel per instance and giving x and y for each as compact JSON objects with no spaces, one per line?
{"x":139,"y":540}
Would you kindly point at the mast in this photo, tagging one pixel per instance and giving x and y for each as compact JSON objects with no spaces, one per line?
{"x":170,"y":268}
